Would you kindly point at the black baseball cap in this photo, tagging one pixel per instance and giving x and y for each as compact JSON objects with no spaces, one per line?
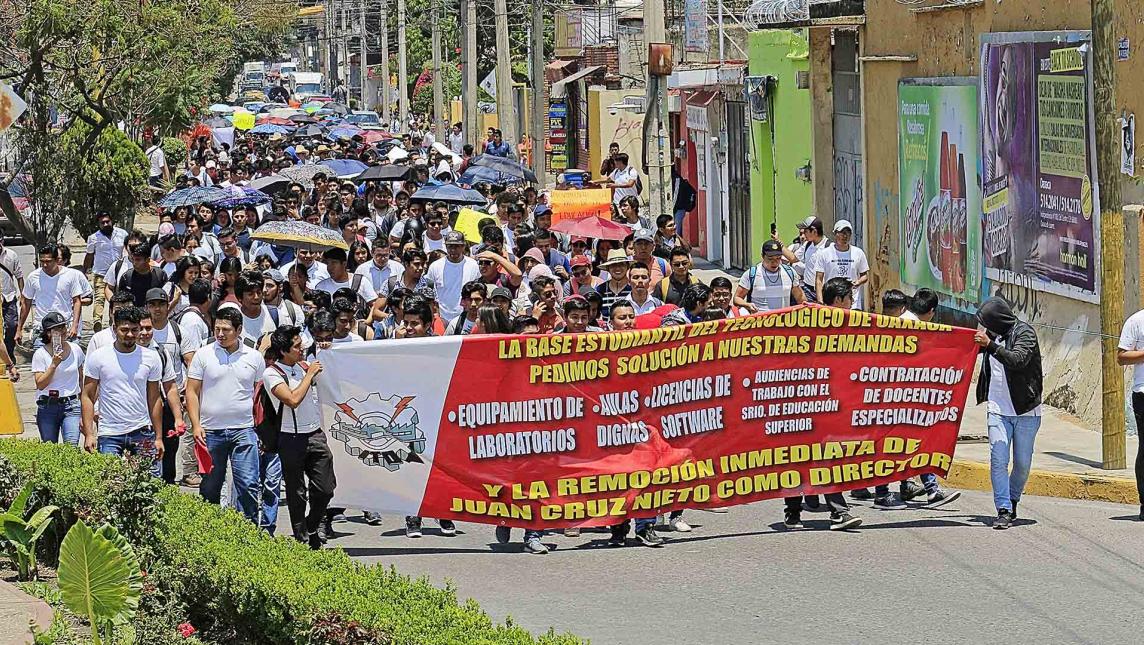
{"x":772,"y":249}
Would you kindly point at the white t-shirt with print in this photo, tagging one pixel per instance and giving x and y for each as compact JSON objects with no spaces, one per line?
{"x":850,"y":264}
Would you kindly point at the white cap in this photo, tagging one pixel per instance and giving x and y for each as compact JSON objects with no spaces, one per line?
{"x":841,"y":225}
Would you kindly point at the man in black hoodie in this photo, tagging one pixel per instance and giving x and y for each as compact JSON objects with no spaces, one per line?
{"x":1011,"y":381}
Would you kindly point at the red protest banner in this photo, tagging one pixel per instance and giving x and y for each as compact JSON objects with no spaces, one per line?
{"x":593,"y":429}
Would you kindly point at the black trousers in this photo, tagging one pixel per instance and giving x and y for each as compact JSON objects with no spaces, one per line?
{"x":834,"y":501}
{"x":11,"y":321}
{"x":308,"y":470}
{"x":170,"y":446}
{"x":1138,"y":412}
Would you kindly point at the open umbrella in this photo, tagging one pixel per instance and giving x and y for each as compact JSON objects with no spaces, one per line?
{"x":474,"y":175}
{"x":450,"y":194}
{"x":390,"y":172}
{"x":337,"y":108}
{"x":270,"y":128}
{"x":343,"y":132}
{"x":374,"y":136}
{"x":243,"y":120}
{"x":271,"y":184}
{"x":265,"y":119}
{"x":303,"y":118}
{"x":300,"y":235}
{"x":193,"y":196}
{"x":221,"y":108}
{"x":505,"y":166}
{"x":344,"y":168}
{"x":594,"y":227}
{"x":283,"y":113}
{"x":216,"y":122}
{"x":241,"y":197}
{"x":312,"y":130}
{"x":303,"y":174}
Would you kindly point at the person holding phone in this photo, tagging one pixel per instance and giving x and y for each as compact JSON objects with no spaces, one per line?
{"x":56,"y":369}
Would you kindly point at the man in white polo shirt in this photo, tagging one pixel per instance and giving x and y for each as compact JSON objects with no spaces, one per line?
{"x":220,"y":402}
{"x":126,"y":377}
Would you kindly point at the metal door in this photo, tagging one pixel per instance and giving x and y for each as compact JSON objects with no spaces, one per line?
{"x":848,"y":198}
{"x":738,"y":184}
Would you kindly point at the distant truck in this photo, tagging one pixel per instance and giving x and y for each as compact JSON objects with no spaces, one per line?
{"x":253,"y":76}
{"x":303,"y":85}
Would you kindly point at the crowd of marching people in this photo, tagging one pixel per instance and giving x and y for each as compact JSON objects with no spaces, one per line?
{"x":197,"y":321}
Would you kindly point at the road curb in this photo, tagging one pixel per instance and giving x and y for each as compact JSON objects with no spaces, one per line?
{"x":18,"y":611}
{"x":975,"y":475}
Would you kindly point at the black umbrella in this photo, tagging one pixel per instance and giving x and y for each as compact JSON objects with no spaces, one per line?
{"x":309,"y":131}
{"x":390,"y":172}
{"x":271,"y":184}
{"x":303,"y":118}
{"x":337,"y":108}
{"x":505,"y":166}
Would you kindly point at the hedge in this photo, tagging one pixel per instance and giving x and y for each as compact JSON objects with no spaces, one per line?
{"x":232,"y":580}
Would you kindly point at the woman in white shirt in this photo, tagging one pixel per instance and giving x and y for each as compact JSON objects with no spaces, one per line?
{"x":56,"y":369}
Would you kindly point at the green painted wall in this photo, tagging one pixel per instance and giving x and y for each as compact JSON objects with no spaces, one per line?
{"x":781,"y":54}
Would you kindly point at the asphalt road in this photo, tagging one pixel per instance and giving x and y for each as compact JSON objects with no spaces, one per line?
{"x":1068,"y":571}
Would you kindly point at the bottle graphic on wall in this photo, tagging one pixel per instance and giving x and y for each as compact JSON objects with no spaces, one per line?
{"x":944,"y":212}
{"x":961,"y":228}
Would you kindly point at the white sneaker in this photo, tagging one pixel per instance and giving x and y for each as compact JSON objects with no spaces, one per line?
{"x":679,"y":526}
{"x":534,"y":545}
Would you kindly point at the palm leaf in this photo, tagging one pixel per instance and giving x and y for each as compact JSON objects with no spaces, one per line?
{"x":20,"y":504}
{"x":95,"y":578}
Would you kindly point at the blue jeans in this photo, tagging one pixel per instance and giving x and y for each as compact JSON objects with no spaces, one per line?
{"x":136,"y":442}
{"x":678,"y":216}
{"x":56,"y":416}
{"x":1010,"y":435}
{"x":239,"y":446}
{"x":270,"y":470}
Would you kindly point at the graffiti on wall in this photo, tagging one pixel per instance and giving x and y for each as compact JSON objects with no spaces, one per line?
{"x":848,"y":191}
{"x":883,"y":252}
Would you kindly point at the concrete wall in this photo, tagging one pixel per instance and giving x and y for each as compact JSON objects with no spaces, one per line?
{"x":945,"y":43}
{"x":782,"y":54}
{"x":625,"y":127}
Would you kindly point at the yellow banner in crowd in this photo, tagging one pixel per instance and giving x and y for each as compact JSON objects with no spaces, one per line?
{"x":578,"y":204}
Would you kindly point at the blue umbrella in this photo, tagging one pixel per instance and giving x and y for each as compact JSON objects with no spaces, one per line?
{"x":241,"y":197}
{"x":450,"y":194}
{"x":474,"y":175}
{"x":504,"y":166}
{"x":193,"y":196}
{"x":270,"y":128}
{"x":343,"y":133}
{"x":344,"y":168}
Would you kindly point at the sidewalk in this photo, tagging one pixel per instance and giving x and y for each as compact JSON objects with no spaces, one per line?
{"x":1066,"y":460}
{"x":17,"y":610}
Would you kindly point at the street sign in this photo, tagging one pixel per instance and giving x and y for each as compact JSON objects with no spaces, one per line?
{"x":11,"y":106}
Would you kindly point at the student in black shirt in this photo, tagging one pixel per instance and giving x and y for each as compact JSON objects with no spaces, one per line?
{"x":141,"y":277}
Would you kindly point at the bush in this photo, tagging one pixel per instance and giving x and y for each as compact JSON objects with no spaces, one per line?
{"x":175,"y":149}
{"x":236,"y":583}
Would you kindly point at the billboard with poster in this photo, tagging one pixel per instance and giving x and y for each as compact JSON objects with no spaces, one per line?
{"x":1041,"y":208}
{"x":938,"y":168}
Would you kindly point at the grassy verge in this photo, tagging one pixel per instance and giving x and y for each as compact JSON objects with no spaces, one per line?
{"x":210,"y":567}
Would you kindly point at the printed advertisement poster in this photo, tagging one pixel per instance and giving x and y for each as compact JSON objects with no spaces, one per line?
{"x":695,"y":26}
{"x":1041,"y":210}
{"x":592,"y":429}
{"x":940,"y":207}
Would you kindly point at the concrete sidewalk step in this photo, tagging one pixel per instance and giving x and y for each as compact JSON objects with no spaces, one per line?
{"x":18,"y":611}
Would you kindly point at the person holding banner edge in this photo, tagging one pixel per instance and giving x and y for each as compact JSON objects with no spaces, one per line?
{"x":837,"y":292}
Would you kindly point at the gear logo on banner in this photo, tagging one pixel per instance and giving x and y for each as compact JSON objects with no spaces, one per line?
{"x":380,"y":432}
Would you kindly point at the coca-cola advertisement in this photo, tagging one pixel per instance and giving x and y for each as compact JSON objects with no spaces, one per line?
{"x":940,"y":194}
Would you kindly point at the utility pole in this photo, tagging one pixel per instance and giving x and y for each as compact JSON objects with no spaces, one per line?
{"x":402,"y":71}
{"x":328,"y":40}
{"x":438,"y":86}
{"x":470,"y":49}
{"x":1111,"y":232}
{"x":657,"y":149}
{"x":386,"y":92}
{"x":363,"y":67}
{"x":539,"y":114}
{"x":506,"y":110}
{"x":344,"y":46}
